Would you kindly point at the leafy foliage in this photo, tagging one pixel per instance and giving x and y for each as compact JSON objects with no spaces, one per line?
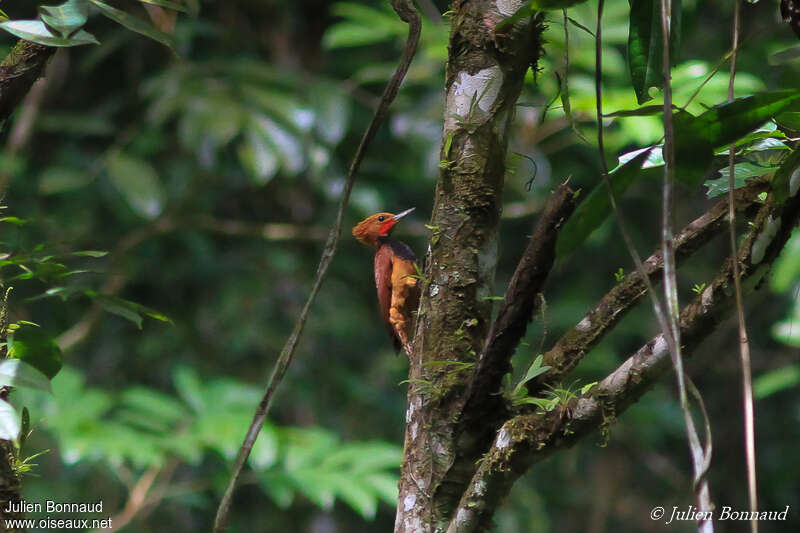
{"x":240,"y":146}
{"x":61,"y":25}
{"x":142,"y":427}
{"x":645,"y":48}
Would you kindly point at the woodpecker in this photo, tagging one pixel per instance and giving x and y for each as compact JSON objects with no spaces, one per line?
{"x":395,"y":271}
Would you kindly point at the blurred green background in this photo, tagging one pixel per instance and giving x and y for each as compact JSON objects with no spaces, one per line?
{"x":211,"y":178}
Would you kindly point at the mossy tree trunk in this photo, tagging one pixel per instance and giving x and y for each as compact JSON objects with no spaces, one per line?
{"x":23,"y":65}
{"x":485,"y":73}
{"x":465,"y":443}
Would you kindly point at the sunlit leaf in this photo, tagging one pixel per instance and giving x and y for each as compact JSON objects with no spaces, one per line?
{"x":742,"y":172}
{"x":9,"y":421}
{"x":137,"y":182}
{"x":257,"y":155}
{"x":592,"y":211}
{"x":16,"y":221}
{"x":697,"y":137}
{"x":786,"y":270}
{"x":67,"y":17}
{"x":333,"y":112}
{"x":17,"y":373}
{"x":776,"y":380}
{"x":36,"y":31}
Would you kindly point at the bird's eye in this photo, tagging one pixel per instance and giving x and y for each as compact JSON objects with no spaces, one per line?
{"x":381,"y":218}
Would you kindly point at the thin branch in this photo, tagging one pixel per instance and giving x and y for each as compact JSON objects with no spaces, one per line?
{"x":744,"y":344}
{"x":406,"y":11}
{"x":573,"y":345}
{"x":527,"y":439}
{"x":519,"y":305}
{"x":701,"y":455}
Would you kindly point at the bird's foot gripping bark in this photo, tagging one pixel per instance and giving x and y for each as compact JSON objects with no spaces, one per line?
{"x":407,"y":348}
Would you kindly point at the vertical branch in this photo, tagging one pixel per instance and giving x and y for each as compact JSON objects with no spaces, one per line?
{"x":744,"y":343}
{"x":406,"y":11}
{"x":700,"y":456}
{"x":489,"y":56}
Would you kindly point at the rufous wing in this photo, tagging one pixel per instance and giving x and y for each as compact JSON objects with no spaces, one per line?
{"x":383,"y":284}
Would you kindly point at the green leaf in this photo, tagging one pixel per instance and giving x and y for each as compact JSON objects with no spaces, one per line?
{"x":134,"y":24}
{"x":57,"y":179}
{"x":741,"y":173}
{"x":17,"y":373}
{"x":257,"y":155}
{"x":9,"y":421}
{"x":169,"y":4}
{"x":697,"y":137}
{"x":91,"y":253}
{"x":725,"y":123}
{"x":357,"y":496}
{"x":776,"y":380}
{"x":534,"y":370}
{"x":37,"y":349}
{"x":645,"y":48}
{"x":786,"y":181}
{"x":644,"y":111}
{"x":66,"y":18}
{"x":591,"y":212}
{"x":137,"y":182}
{"x":36,"y":31}
{"x":788,"y":331}
{"x":789,"y":120}
{"x":786,"y":271}
{"x":126,"y":309}
{"x":787,"y":55}
{"x":332,"y":112}
{"x":14,"y":220}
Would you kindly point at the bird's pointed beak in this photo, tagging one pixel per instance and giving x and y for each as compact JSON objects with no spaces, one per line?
{"x":398,"y":216}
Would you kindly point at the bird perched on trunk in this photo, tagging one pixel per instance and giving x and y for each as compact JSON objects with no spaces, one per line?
{"x":395,"y":271}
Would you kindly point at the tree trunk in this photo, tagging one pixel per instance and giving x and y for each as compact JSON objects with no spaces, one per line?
{"x":485,"y":72}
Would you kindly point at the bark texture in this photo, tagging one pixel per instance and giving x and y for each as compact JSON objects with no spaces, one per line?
{"x":485,"y":72}
{"x":20,"y":68}
{"x":529,"y":438}
{"x":18,"y":72}
{"x":465,"y":442}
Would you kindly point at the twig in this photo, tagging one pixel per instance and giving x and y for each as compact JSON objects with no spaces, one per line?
{"x":136,"y":499}
{"x":744,"y":344}
{"x":406,"y":11}
{"x":701,"y":456}
{"x":519,"y":306}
